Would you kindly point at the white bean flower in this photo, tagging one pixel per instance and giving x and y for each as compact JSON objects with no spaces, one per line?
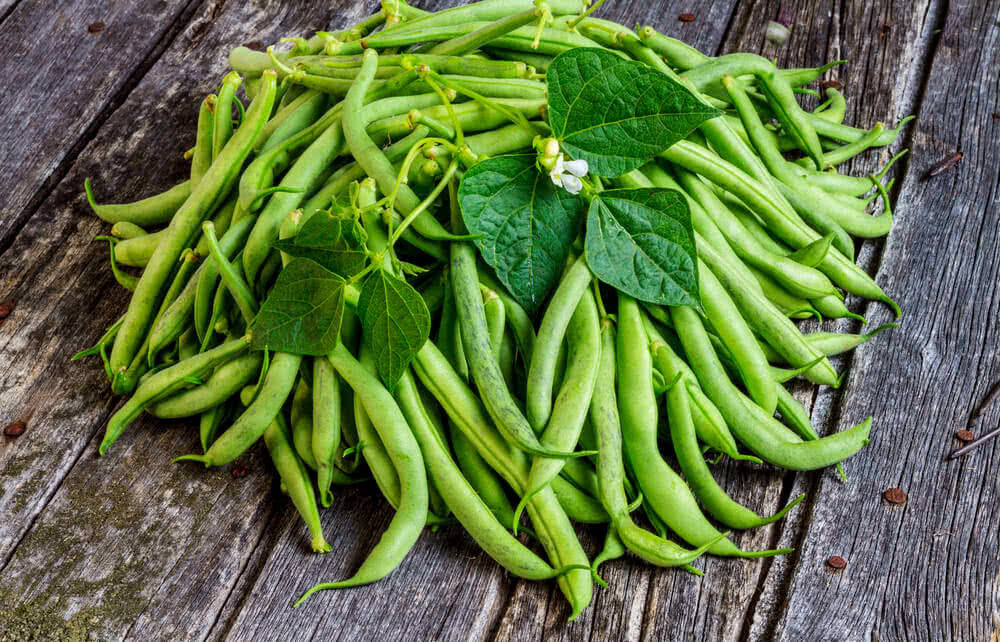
{"x":567,"y":174}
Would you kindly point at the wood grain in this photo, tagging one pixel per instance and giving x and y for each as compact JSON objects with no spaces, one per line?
{"x":53,"y":65}
{"x":928,"y":569}
{"x":201,"y":555}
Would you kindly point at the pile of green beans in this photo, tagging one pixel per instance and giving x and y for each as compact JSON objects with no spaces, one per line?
{"x":573,"y":414}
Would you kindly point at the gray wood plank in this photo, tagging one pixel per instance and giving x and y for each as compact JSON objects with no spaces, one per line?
{"x":926,"y":570}
{"x":241,"y":588}
{"x":64,"y":300}
{"x":882,"y":81}
{"x":59,"y":79}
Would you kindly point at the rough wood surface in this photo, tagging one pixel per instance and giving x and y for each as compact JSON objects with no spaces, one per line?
{"x":62,"y":79}
{"x":129,"y":546}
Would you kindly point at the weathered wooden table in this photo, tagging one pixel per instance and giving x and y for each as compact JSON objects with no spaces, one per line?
{"x":132,"y":547}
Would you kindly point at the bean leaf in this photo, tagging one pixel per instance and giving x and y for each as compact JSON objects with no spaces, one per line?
{"x":641,"y":242}
{"x":302,"y":314}
{"x":395,"y":321}
{"x":617,"y":114}
{"x":334,"y":241}
{"x":525,"y":224}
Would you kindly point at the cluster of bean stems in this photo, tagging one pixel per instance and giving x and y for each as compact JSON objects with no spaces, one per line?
{"x":561,"y":415}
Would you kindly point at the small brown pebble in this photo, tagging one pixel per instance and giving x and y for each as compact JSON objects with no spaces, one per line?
{"x":965,"y":435}
{"x":894,"y":496}
{"x":6,"y":308}
{"x":15,"y":429}
{"x":836,"y":562}
{"x":996,"y":115}
{"x":240,"y":471}
{"x":830,"y":84}
{"x":885,"y":28}
{"x":96,"y":27}
{"x":256,"y":45}
{"x":686,"y":17}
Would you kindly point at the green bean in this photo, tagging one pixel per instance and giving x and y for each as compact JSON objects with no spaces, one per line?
{"x":489,"y":32}
{"x":798,"y":278}
{"x":351,"y":172}
{"x":327,"y":413}
{"x":840,"y":269}
{"x":150,"y":211}
{"x":304,"y":175}
{"x":770,"y":322}
{"x":295,"y":480}
{"x":539,"y":62}
{"x":485,"y":370}
{"x":549,"y":519}
{"x":752,"y":426}
{"x":483,"y":11}
{"x":208,"y":424}
{"x":804,"y":197}
{"x":219,"y":178}
{"x":411,"y":514}
{"x":734,"y":332}
{"x":581,"y":473}
{"x":792,"y":306}
{"x":677,"y":54}
{"x":661,"y":487}
{"x":301,"y":417}
{"x":507,"y":357}
{"x":249,"y":427}
{"x":126,"y":230}
{"x":612,"y":549}
{"x":579,"y":506}
{"x":471,"y":116}
{"x":372,"y":448}
{"x":291,"y":119}
{"x":442,"y":64}
{"x":833,"y":110}
{"x":517,"y":317}
{"x":164,"y":383}
{"x":604,"y":417}
{"x":222,"y":127}
{"x":541,"y":371}
{"x":136,"y":252}
{"x":231,"y":277}
{"x":496,"y":320}
{"x":709,"y":425}
{"x":696,"y":471}
{"x":552,"y":41}
{"x":127,"y":281}
{"x":175,"y":318}
{"x":563,"y":426}
{"x":228,"y":379}
{"x":203,"y":154}
{"x":831,"y":343}
{"x":371,"y":157}
{"x":467,"y":506}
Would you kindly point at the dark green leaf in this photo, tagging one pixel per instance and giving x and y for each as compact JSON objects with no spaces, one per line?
{"x":641,"y":242}
{"x":526,"y":224}
{"x":303,"y":311}
{"x":335,"y":242}
{"x":395,"y":321}
{"x":617,"y":114}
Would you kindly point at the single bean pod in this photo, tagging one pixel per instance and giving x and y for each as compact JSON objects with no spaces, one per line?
{"x":154,"y":210}
{"x":295,"y":480}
